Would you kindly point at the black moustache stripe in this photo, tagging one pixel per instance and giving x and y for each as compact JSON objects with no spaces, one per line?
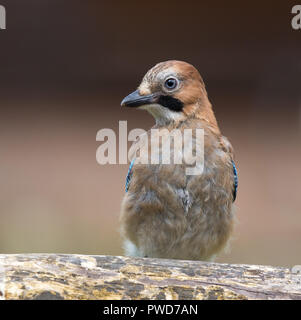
{"x":171,"y":103}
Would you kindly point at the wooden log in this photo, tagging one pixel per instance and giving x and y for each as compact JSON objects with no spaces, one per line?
{"x":68,"y":276}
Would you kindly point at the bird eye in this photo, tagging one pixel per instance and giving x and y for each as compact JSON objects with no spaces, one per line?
{"x":171,"y":83}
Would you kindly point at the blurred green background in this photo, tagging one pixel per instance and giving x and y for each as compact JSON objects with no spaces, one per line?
{"x":66,"y":65}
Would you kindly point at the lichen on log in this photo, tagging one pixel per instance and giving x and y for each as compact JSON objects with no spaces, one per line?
{"x":67,"y":276}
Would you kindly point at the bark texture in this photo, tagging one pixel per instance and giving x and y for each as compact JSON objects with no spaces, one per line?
{"x":68,"y":276}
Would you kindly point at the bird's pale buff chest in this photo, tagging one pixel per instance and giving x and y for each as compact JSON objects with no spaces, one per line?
{"x":168,"y":214}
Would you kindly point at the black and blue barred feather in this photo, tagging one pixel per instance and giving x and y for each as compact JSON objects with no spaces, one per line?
{"x":129,"y":176}
{"x":235,"y":181}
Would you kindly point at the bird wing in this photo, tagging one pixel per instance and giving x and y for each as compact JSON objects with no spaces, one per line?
{"x":226,"y":145}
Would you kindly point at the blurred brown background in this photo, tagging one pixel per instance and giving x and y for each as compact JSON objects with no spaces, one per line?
{"x":66,"y":65}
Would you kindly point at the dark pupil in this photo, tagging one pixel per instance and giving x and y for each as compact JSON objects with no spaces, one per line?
{"x":170,"y":83}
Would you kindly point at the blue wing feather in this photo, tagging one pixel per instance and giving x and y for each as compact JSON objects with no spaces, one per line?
{"x":235,"y":181}
{"x":129,"y":176}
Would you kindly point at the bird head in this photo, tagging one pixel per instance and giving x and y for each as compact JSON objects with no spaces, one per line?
{"x":171,"y":91}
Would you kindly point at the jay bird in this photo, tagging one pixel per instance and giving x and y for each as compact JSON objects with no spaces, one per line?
{"x":166,"y":213}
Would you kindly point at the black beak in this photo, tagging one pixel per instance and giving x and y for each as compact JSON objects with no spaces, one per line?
{"x":136,"y":100}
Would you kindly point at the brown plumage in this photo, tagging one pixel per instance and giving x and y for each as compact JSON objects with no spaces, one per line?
{"x":167,"y":213}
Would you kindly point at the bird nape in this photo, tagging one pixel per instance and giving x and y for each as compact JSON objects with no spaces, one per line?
{"x":167,"y":213}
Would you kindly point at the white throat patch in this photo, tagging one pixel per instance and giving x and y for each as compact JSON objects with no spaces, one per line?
{"x":163,"y":115}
